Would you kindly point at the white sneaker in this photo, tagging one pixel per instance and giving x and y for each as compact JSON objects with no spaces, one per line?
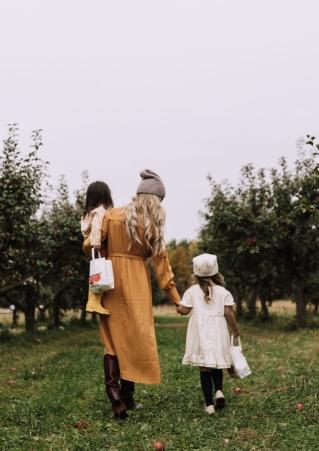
{"x":220,"y":399}
{"x":210,"y":410}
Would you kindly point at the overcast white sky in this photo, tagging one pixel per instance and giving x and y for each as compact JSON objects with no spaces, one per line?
{"x":184,"y":87}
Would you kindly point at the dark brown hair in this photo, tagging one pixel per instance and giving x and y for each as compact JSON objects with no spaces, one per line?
{"x":206,"y":284}
{"x":98,"y":193}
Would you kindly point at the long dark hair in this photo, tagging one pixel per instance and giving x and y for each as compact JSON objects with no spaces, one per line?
{"x":206,"y":284}
{"x":98,"y":193}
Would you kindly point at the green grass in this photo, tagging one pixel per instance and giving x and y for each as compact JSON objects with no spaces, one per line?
{"x":58,"y":381}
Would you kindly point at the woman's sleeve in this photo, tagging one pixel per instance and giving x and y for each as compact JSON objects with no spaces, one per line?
{"x":87,"y":247}
{"x":165,"y":276}
{"x":105,"y":227}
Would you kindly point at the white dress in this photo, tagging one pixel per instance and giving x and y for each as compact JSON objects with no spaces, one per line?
{"x":208,"y":340}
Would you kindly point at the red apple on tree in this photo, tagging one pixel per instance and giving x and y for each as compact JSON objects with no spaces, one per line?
{"x":252,"y":240}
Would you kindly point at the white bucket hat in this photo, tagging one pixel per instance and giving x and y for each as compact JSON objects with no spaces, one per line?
{"x":205,"y":265}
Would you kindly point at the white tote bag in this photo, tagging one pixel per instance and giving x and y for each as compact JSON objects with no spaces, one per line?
{"x":241,"y":367}
{"x":101,"y":274}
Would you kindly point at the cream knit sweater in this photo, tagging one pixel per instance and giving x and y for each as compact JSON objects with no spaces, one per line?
{"x":91,"y":225}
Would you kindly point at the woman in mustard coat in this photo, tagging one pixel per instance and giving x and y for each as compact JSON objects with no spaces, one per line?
{"x":132,"y":235}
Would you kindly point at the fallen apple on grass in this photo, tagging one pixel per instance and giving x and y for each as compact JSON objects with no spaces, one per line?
{"x":300,"y":406}
{"x":11,"y":382}
{"x":79,"y":425}
{"x":238,"y":390}
{"x":159,"y":446}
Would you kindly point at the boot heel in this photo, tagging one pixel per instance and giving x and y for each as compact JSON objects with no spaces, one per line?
{"x":119,"y":410}
{"x":127,"y":392}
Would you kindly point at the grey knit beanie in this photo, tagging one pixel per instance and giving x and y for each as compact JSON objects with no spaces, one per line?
{"x":151,"y":183}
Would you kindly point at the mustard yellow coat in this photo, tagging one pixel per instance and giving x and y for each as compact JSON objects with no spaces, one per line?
{"x":129,"y":331}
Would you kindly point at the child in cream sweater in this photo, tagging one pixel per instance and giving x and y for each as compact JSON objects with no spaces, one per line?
{"x":98,"y":202}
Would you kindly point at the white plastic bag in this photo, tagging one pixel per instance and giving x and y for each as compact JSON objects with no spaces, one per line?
{"x":241,"y":367}
{"x":101,"y":274}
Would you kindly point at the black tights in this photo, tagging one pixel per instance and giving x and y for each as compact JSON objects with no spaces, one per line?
{"x":217,"y":375}
{"x":207,"y":376}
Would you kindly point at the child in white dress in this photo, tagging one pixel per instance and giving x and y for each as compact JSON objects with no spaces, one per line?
{"x":98,"y":201}
{"x":208,"y":339}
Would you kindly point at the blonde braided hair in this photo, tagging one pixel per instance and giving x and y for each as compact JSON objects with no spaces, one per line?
{"x":147,"y":211}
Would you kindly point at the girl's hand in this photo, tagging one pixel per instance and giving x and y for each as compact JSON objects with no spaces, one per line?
{"x":178,"y":308}
{"x":182,"y":310}
{"x":231,"y":371}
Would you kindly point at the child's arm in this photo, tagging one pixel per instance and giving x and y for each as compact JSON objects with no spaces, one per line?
{"x":182,"y":310}
{"x":231,"y":320}
{"x":186,"y":305}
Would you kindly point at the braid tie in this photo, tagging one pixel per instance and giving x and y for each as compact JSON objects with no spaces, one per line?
{"x":206,"y":285}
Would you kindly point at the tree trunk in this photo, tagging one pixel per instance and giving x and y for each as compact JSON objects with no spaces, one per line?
{"x":251,"y":304}
{"x":264,"y":310}
{"x":56,"y":311}
{"x":15,"y":317}
{"x":30,"y":304}
{"x":239,"y":307}
{"x":94,"y":318}
{"x":30,"y":318}
{"x":301,"y":308}
{"x":83,"y":312}
{"x":239,"y":301}
{"x":42,"y":314}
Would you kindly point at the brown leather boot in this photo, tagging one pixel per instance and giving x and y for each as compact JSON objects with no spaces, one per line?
{"x":113,"y":391}
{"x":127,"y":392}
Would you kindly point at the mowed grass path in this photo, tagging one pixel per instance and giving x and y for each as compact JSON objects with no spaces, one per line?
{"x":50,"y":382}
